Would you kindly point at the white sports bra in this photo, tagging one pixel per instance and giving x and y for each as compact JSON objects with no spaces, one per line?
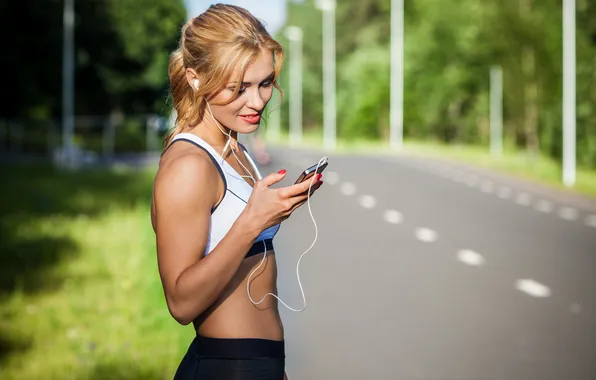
{"x":236,"y":194}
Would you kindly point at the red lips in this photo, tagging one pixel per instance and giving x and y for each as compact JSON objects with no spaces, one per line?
{"x":251,"y":119}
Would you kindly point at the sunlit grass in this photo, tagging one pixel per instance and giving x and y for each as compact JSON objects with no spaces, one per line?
{"x":537,"y":168}
{"x":98,"y":312}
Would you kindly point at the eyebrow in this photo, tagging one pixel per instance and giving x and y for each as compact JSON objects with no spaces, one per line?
{"x":269,"y":77}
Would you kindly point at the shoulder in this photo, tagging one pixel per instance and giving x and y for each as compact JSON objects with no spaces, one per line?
{"x":186,"y":176}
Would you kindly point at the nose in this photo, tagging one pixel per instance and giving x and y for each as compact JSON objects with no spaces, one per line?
{"x":256,"y":100}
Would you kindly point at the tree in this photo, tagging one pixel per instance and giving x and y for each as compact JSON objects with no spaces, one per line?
{"x":449,"y":50}
{"x":122,"y":50}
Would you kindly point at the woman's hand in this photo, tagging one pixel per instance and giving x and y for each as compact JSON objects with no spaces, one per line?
{"x":268,"y":207}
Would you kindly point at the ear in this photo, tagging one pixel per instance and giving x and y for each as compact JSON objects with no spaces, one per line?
{"x":193,"y":79}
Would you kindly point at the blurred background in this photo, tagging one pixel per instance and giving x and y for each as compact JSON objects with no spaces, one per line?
{"x":458,"y":221}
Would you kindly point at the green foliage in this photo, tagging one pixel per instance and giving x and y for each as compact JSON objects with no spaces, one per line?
{"x":450,"y":48}
{"x":363,"y":111}
{"x":122,"y":50}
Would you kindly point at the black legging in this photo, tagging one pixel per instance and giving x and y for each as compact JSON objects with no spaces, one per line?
{"x":233,"y":359}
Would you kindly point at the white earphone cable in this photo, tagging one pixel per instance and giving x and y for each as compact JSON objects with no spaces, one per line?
{"x":264,"y":244}
{"x":226,"y":147}
{"x":299,"y":259}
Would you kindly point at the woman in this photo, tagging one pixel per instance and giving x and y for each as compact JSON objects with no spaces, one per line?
{"x":214,"y":215}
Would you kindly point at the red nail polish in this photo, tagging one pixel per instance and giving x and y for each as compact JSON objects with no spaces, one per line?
{"x":283,"y":171}
{"x":319,"y":176}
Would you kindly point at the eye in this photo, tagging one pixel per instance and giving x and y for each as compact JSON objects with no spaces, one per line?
{"x":267,"y":83}
{"x":240,"y":90}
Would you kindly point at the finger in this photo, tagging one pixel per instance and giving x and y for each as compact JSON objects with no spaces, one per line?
{"x":300,"y":188}
{"x":307,"y":178}
{"x":273,"y":178}
{"x":298,"y":204}
{"x":313,"y":188}
{"x":299,"y":197}
{"x":299,"y":200}
{"x":303,"y":198}
{"x":316,"y":187}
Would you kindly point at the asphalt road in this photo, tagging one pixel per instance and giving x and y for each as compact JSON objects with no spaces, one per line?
{"x":429,"y":270}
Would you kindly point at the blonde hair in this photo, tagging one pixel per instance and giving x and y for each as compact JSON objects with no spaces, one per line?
{"x":214,"y":44}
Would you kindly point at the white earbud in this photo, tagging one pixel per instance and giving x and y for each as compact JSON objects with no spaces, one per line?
{"x":195,"y":83}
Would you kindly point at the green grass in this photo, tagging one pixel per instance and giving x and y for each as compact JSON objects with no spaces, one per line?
{"x":80,"y":295}
{"x":537,"y":168}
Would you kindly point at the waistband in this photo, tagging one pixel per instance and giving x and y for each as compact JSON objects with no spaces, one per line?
{"x":238,"y":348}
{"x":258,"y":247}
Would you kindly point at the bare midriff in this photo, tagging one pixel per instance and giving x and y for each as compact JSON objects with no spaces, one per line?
{"x":233,"y":315}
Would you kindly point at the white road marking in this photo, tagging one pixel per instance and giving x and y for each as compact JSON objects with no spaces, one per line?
{"x":544,"y":206}
{"x":523,"y":199}
{"x":348,"y":188}
{"x":470,"y":257}
{"x":487,"y":187}
{"x":426,"y":235}
{"x":504,"y":192}
{"x":532,"y":288}
{"x":331,"y":178}
{"x":575,"y":308}
{"x":568,"y":213}
{"x":472,"y":181}
{"x":368,"y":201}
{"x":393,"y":217}
{"x":591,"y":221}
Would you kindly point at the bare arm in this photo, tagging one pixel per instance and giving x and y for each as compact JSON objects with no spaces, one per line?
{"x":185,"y":194}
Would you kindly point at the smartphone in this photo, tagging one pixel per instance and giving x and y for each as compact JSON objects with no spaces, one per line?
{"x":311,"y":171}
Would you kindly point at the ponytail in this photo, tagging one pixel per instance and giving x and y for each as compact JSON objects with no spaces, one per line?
{"x":185,"y":100}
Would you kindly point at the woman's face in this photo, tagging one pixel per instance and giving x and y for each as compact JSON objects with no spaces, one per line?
{"x":243,"y":114}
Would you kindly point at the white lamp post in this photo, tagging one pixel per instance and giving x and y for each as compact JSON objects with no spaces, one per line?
{"x":329,"y":129}
{"x":294,"y":35}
